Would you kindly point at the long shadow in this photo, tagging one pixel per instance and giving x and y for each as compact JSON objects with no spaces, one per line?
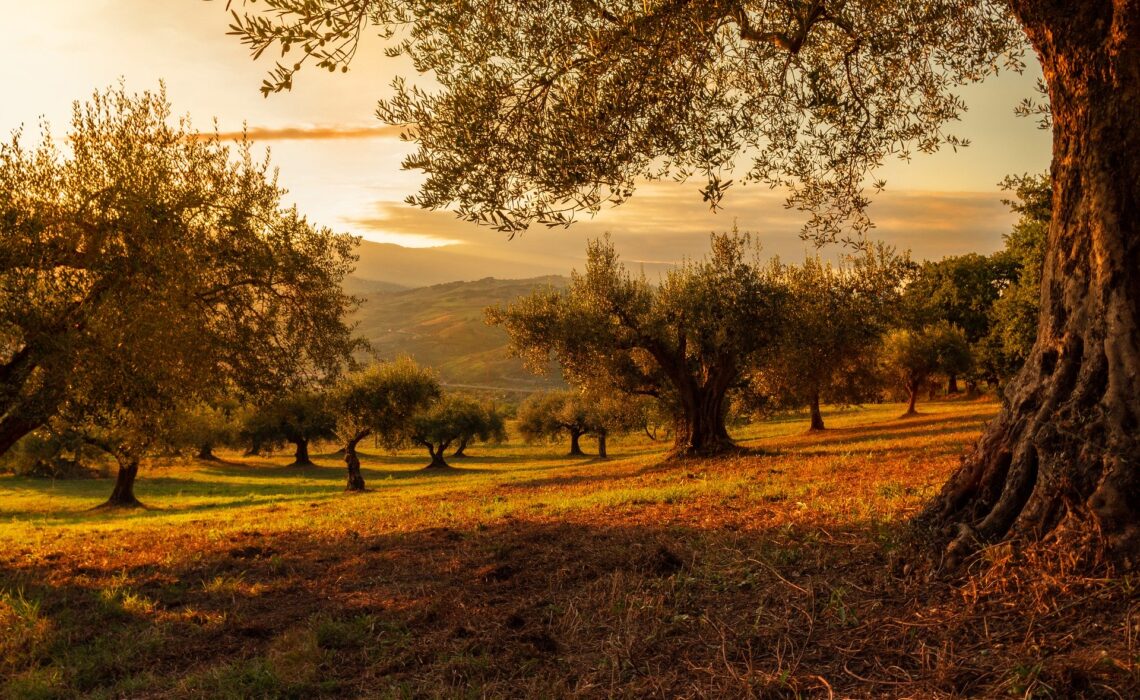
{"x":423,"y":609}
{"x":161,"y":485}
{"x":892,"y":430}
{"x":149,"y":510}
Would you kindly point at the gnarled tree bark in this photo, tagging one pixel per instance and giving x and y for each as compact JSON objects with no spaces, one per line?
{"x":1063,"y":456}
{"x":700,"y":429}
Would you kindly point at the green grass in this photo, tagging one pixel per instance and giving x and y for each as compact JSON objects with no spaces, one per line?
{"x":524,"y":572}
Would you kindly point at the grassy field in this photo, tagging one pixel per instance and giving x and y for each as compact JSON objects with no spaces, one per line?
{"x":774,"y":573}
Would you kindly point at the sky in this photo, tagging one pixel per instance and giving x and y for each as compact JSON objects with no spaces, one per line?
{"x":342,"y":167}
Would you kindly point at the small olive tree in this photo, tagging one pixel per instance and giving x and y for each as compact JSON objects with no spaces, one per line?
{"x":450,"y":421}
{"x":913,"y":357}
{"x":835,"y":318}
{"x":299,"y":418}
{"x":206,"y":425}
{"x":549,"y":415}
{"x":380,"y":400}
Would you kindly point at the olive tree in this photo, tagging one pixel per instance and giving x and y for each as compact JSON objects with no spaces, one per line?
{"x":145,"y":265}
{"x":686,"y":341}
{"x":206,"y":425}
{"x":913,"y":357}
{"x":479,"y":422}
{"x":835,"y":318}
{"x":549,"y":415}
{"x":298,"y":417}
{"x":541,"y":110}
{"x":380,"y":400}
{"x":450,"y":421}
{"x":611,"y":414}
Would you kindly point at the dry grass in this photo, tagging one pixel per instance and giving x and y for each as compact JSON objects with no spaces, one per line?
{"x":770,"y":574}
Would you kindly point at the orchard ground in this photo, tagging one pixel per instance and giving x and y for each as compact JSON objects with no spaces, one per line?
{"x":778,"y":572}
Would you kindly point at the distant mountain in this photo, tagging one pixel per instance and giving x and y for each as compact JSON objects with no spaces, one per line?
{"x":442,"y":326}
{"x":421,"y":267}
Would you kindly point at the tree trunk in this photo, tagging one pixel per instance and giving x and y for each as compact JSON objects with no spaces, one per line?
{"x":701,"y":430}
{"x":254,"y":449}
{"x":13,"y":427}
{"x":575,"y":448}
{"x":1062,"y":460}
{"x":459,"y":451}
{"x":437,"y":460}
{"x":355,"y":478}
{"x":206,"y":452}
{"x":301,"y":456}
{"x":952,"y":385}
{"x":123,"y":495}
{"x":602,"y":446}
{"x":912,"y":389}
{"x":816,"y":415}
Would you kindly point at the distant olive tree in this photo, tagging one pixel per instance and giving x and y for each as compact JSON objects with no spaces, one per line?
{"x":479,"y":422}
{"x":912,"y":358}
{"x":834,"y":319}
{"x":686,"y":341}
{"x":298,"y":417}
{"x":206,"y":425}
{"x":961,"y":290}
{"x":609,"y":414}
{"x":379,"y":401}
{"x":549,"y":415}
{"x":450,"y":421}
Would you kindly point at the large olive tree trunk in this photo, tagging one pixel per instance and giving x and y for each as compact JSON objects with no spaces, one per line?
{"x":700,"y":429}
{"x":1063,"y":457}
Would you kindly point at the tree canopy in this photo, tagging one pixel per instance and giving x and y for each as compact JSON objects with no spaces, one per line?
{"x":144,"y":264}
{"x":538,"y":111}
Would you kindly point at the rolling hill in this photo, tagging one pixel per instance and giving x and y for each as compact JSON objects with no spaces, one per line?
{"x":442,"y":326}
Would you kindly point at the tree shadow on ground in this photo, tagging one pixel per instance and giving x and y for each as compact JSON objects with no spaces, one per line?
{"x":538,"y":609}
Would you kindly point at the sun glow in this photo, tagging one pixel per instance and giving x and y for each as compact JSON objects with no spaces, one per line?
{"x":408,"y":240}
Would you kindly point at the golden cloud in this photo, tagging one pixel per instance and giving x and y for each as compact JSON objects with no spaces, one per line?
{"x":309,"y":133}
{"x":661,"y":223}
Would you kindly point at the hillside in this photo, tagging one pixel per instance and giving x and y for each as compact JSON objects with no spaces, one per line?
{"x":442,"y":326}
{"x":421,"y":267}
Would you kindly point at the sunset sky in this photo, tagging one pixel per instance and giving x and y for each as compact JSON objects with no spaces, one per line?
{"x":342,"y":167}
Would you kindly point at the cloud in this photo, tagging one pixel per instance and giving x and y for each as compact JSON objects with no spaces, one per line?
{"x":310,"y":133}
{"x":665,"y":223}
